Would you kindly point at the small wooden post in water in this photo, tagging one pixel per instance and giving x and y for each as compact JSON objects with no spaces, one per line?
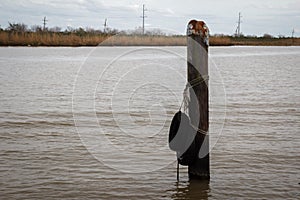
{"x":197,"y":61}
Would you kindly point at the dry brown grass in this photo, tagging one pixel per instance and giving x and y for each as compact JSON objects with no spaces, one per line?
{"x":49,"y":39}
{"x":137,"y":40}
{"x":253,"y":41}
{"x":220,"y":41}
{"x":266,"y":41}
{"x":72,"y":39}
{"x":60,"y":39}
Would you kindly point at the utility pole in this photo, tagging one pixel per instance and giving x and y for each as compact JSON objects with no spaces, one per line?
{"x":238,"y":31}
{"x":293,"y":32}
{"x":143,"y":16}
{"x":44,"y":23}
{"x":105,"y":25}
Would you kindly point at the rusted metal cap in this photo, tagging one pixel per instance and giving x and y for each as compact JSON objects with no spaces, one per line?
{"x":195,"y":27}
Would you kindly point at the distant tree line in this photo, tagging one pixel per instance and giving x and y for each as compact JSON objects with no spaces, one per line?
{"x":264,"y":36}
{"x":23,"y":28}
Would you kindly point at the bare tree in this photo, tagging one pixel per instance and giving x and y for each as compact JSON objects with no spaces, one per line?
{"x":267,"y":35}
{"x":17,"y":27}
{"x":55,"y":29}
{"x":36,"y":28}
{"x":155,"y":32}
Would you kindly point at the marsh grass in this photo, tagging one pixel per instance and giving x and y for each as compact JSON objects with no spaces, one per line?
{"x":72,"y":39}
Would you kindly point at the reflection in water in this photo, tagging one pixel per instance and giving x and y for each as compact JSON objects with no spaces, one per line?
{"x":192,"y":189}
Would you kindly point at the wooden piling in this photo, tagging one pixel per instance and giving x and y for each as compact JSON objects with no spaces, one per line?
{"x":197,"y":73}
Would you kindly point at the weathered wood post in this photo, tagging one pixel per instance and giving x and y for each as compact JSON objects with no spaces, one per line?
{"x":197,"y":61}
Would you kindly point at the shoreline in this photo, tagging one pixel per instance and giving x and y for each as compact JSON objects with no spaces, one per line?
{"x":51,"y":39}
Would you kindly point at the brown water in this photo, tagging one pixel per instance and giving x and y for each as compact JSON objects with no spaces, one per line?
{"x":80,"y":123}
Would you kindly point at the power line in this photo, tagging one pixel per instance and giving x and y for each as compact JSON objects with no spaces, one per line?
{"x":105,"y":25}
{"x":143,"y":25}
{"x":293,"y":32}
{"x":44,"y":23}
{"x":238,"y":29}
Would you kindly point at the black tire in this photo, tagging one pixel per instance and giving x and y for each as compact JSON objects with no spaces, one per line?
{"x":182,"y":139}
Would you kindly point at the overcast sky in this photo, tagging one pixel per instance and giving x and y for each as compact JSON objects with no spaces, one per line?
{"x":276,"y":17}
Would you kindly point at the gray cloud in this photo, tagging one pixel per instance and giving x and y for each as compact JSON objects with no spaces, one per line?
{"x":259,"y":17}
